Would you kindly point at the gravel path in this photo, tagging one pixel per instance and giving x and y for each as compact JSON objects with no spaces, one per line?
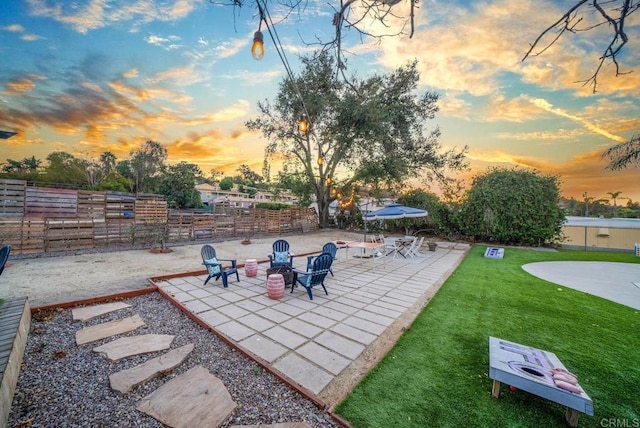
{"x":65,"y":385}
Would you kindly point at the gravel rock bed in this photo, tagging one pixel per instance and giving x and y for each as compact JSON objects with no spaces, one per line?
{"x":65,"y":385}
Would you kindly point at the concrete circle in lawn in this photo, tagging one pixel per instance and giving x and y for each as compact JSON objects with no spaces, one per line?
{"x":618,"y":282}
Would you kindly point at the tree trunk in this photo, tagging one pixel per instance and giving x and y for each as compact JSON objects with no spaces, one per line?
{"x":323,"y":211}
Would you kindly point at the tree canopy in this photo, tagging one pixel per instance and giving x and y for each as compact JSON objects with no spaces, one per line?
{"x":177,"y":184}
{"x":366,"y":131}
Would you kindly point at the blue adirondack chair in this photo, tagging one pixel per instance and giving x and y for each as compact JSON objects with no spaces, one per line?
{"x":330,"y":248}
{"x":4,"y":256}
{"x":319,"y":271}
{"x":215,"y":268}
{"x":281,"y":255}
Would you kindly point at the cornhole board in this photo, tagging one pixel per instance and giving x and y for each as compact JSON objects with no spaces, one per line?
{"x":494,"y":253}
{"x":529,"y":369}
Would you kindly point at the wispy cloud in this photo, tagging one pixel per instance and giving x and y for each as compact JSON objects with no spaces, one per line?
{"x":14,"y":28}
{"x":93,"y":14}
{"x":545,"y":105}
{"x":227,"y":114}
{"x":177,"y":73}
{"x":231,"y":47}
{"x":167,"y":43}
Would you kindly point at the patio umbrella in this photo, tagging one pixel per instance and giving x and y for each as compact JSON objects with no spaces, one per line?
{"x":394,"y":212}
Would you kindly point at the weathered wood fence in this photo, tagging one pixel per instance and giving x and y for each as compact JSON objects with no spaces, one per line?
{"x":41,"y":220}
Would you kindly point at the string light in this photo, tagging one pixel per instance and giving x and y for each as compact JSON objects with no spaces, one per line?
{"x":257,"y":50}
{"x":303,"y":126}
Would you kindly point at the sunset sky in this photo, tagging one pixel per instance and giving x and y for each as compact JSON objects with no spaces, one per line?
{"x":90,"y":76}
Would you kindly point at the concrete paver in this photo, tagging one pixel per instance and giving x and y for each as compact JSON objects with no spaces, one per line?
{"x":263,"y":347}
{"x":304,"y":372}
{"x":323,"y":357}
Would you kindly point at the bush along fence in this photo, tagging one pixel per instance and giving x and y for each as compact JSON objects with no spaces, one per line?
{"x":42,"y":220}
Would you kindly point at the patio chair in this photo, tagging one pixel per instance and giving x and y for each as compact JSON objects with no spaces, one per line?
{"x":390,"y":247}
{"x":329,"y":248}
{"x":4,"y":256}
{"x":415,"y":251}
{"x":319,"y":271}
{"x":281,"y":255}
{"x":215,"y":268}
{"x":410,"y":252}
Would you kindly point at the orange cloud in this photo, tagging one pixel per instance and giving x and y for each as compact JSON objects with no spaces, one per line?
{"x":18,"y":87}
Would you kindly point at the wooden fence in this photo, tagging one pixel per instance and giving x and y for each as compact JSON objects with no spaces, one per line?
{"x":41,"y":220}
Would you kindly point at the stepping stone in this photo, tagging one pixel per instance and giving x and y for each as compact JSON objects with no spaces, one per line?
{"x":124,"y":380}
{"x":134,"y":345}
{"x":91,"y":312}
{"x":108,"y":329}
{"x":193,"y":399}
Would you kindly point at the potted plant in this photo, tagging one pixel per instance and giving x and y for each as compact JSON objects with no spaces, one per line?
{"x":432,"y":245}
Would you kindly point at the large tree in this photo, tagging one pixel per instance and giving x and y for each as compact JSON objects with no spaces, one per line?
{"x":178,"y":183}
{"x":146,"y":164}
{"x":64,"y":169}
{"x":367,"y":131}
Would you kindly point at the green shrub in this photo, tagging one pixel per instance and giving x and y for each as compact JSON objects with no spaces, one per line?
{"x":513,"y":206}
{"x":274,"y":206}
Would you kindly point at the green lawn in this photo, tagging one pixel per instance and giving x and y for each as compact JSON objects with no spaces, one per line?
{"x":437,"y":374}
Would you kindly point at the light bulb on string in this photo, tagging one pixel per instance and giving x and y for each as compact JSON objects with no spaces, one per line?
{"x":257,"y":50}
{"x":303,"y":125}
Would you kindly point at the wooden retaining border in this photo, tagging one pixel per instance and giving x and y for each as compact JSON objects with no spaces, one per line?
{"x":15,"y":322}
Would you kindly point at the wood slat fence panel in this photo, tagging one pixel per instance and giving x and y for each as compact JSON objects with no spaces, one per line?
{"x":150,"y":211}
{"x":12,"y":195}
{"x":91,"y":204}
{"x":44,"y":202}
{"x":24,"y":234}
{"x":63,"y":234}
{"x":119,"y":205}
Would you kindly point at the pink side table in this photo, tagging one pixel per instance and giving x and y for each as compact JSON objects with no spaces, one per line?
{"x":275,"y":286}
{"x":251,"y":267}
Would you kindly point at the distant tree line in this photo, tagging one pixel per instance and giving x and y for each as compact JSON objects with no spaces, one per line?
{"x":145,"y":171}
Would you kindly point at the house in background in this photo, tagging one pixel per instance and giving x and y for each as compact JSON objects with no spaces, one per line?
{"x":214,"y":195}
{"x":283,"y":197}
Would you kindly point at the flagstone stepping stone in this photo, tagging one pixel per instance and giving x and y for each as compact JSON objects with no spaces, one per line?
{"x":123,"y":381}
{"x":134,"y":345}
{"x":90,"y":312}
{"x":108,"y":329}
{"x":193,"y":399}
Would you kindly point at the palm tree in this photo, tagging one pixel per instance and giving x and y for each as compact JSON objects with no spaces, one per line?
{"x":614,"y":196}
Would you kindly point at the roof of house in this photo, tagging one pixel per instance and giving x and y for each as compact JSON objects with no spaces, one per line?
{"x":625,"y":223}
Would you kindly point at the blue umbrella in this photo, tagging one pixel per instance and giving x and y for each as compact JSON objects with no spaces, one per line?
{"x":395,"y":211}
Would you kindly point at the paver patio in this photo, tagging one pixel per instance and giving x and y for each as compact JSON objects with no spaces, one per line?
{"x":312,"y":342}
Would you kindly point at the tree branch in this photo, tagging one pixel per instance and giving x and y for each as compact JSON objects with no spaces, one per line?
{"x":615,"y":16}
